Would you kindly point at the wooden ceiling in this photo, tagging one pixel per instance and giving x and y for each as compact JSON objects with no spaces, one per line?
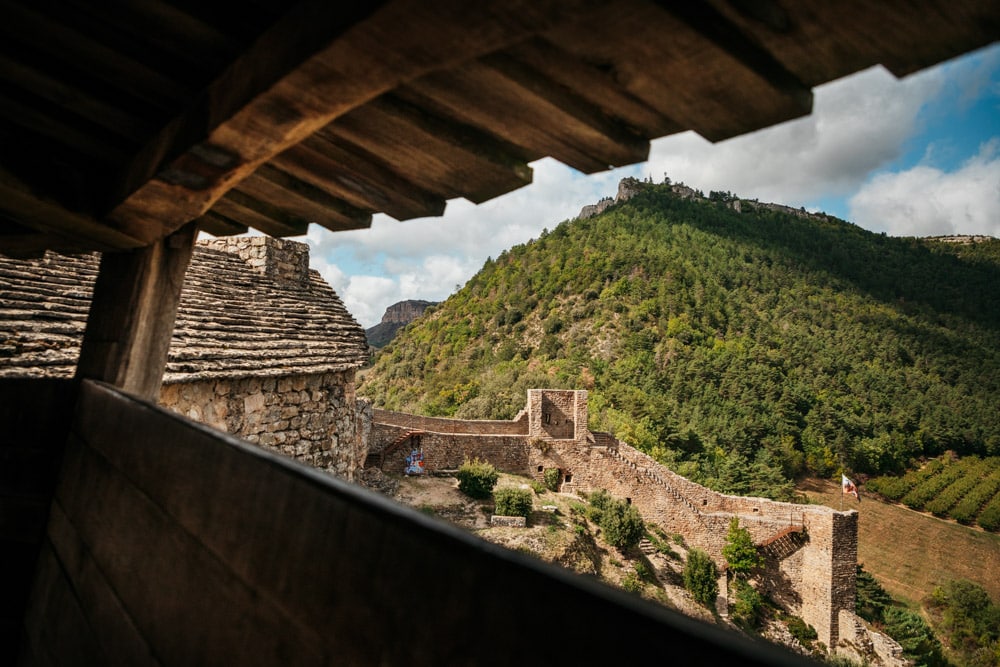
{"x":122,"y":121}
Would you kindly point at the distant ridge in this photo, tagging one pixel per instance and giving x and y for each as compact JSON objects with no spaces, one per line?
{"x":396,"y":316}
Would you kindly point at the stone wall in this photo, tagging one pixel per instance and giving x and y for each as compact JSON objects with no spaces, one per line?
{"x":447,"y":451}
{"x":811,"y":550}
{"x":281,"y":260}
{"x":557,"y":414}
{"x":866,"y":646}
{"x":388,"y":424}
{"x":312,"y":418}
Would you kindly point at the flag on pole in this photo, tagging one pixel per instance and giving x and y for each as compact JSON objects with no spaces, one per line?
{"x":849,"y":486}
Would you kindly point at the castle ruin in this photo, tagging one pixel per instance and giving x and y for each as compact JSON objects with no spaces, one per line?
{"x":810,"y":550}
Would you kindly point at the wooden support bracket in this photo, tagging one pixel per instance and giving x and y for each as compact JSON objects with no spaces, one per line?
{"x":132,"y":315}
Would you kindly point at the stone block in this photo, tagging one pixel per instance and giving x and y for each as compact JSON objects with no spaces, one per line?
{"x":508,"y":521}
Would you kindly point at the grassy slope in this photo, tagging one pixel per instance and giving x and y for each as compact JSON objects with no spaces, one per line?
{"x":911,"y":553}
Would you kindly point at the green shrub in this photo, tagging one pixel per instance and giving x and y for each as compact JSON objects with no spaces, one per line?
{"x":989,"y":518}
{"x":701,"y":577}
{"x":621,"y":525}
{"x":805,"y":633}
{"x":599,"y":500}
{"x":632,"y":583}
{"x":551,"y":479}
{"x":914,"y":635}
{"x":929,"y":489}
{"x":967,"y":508}
{"x":513,"y":502}
{"x":745,"y":611}
{"x":477,"y":478}
{"x":871,"y":599}
{"x":740,"y":553}
{"x":537,"y":487}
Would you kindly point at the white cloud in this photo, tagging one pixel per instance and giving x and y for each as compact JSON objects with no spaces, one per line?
{"x":426,"y":258}
{"x":857,"y":124}
{"x":925,"y":201}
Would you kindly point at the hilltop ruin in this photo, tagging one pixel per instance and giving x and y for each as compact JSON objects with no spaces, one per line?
{"x":810,"y":550}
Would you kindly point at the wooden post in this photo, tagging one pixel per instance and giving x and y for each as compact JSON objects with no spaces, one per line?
{"x":132,"y":315}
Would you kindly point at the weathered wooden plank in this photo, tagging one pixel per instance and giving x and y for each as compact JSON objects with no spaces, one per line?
{"x":512,"y":102}
{"x":114,"y":631}
{"x":348,"y":172}
{"x":441,"y":155}
{"x":185,"y":602}
{"x":132,"y":314}
{"x":303,"y":199}
{"x":260,"y":215}
{"x":56,"y":627}
{"x":219,"y":225}
{"x":688,"y":77}
{"x":24,"y":23}
{"x":76,"y":99}
{"x":820,"y":42}
{"x":102,"y":150}
{"x":340,"y":560}
{"x":19,"y":202}
{"x":593,"y":83}
{"x":314,"y":70}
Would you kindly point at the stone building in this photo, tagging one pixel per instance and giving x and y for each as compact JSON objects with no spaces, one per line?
{"x":263,"y":348}
{"x":810,"y":550}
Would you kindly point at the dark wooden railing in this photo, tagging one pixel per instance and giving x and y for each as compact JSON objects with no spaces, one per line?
{"x":172,"y":544}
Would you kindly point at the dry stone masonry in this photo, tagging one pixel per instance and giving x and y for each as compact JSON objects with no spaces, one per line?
{"x":810,"y":550}
{"x":262,"y":347}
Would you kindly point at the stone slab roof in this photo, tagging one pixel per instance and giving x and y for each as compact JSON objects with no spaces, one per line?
{"x":250,"y":306}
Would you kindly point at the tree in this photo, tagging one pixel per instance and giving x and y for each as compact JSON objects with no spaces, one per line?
{"x":621,"y":525}
{"x":741,"y":555}
{"x":701,"y":577}
{"x":477,"y":478}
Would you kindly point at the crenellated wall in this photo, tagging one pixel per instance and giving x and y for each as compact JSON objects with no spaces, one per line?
{"x":810,"y":550}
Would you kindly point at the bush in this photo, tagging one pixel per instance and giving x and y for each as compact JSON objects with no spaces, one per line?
{"x":621,"y":525}
{"x":805,"y":633}
{"x":477,"y":478}
{"x":740,"y":552}
{"x":551,"y":479}
{"x":701,"y":577}
{"x":513,"y":502}
{"x":747,"y":605}
{"x":599,"y":501}
{"x":989,"y":518}
{"x":871,"y":599}
{"x":914,"y":635}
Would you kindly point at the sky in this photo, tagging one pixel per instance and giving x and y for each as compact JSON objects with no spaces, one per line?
{"x":917,"y":156}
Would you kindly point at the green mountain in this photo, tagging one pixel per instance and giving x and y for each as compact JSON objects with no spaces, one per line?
{"x":740,"y":343}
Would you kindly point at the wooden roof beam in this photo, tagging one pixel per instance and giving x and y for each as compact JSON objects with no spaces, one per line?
{"x":219,"y":225}
{"x":689,"y":77}
{"x":18,"y":202}
{"x":448,"y":158}
{"x":594,"y":84}
{"x":303,"y":199}
{"x":314,"y":65}
{"x":359,"y":178}
{"x":273,"y":221}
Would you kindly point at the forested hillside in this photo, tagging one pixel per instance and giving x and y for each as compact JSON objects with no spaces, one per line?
{"x":740,"y":348}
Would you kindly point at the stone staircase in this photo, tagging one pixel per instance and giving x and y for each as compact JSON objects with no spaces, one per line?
{"x":652,"y":476}
{"x":377,"y":459}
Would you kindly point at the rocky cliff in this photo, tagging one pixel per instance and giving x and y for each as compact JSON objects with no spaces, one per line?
{"x":396,"y":316}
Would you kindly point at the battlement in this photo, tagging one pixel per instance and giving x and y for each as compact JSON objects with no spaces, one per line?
{"x":810,"y":550}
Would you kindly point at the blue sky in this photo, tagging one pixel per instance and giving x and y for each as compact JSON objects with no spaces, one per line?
{"x":918,"y":156}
